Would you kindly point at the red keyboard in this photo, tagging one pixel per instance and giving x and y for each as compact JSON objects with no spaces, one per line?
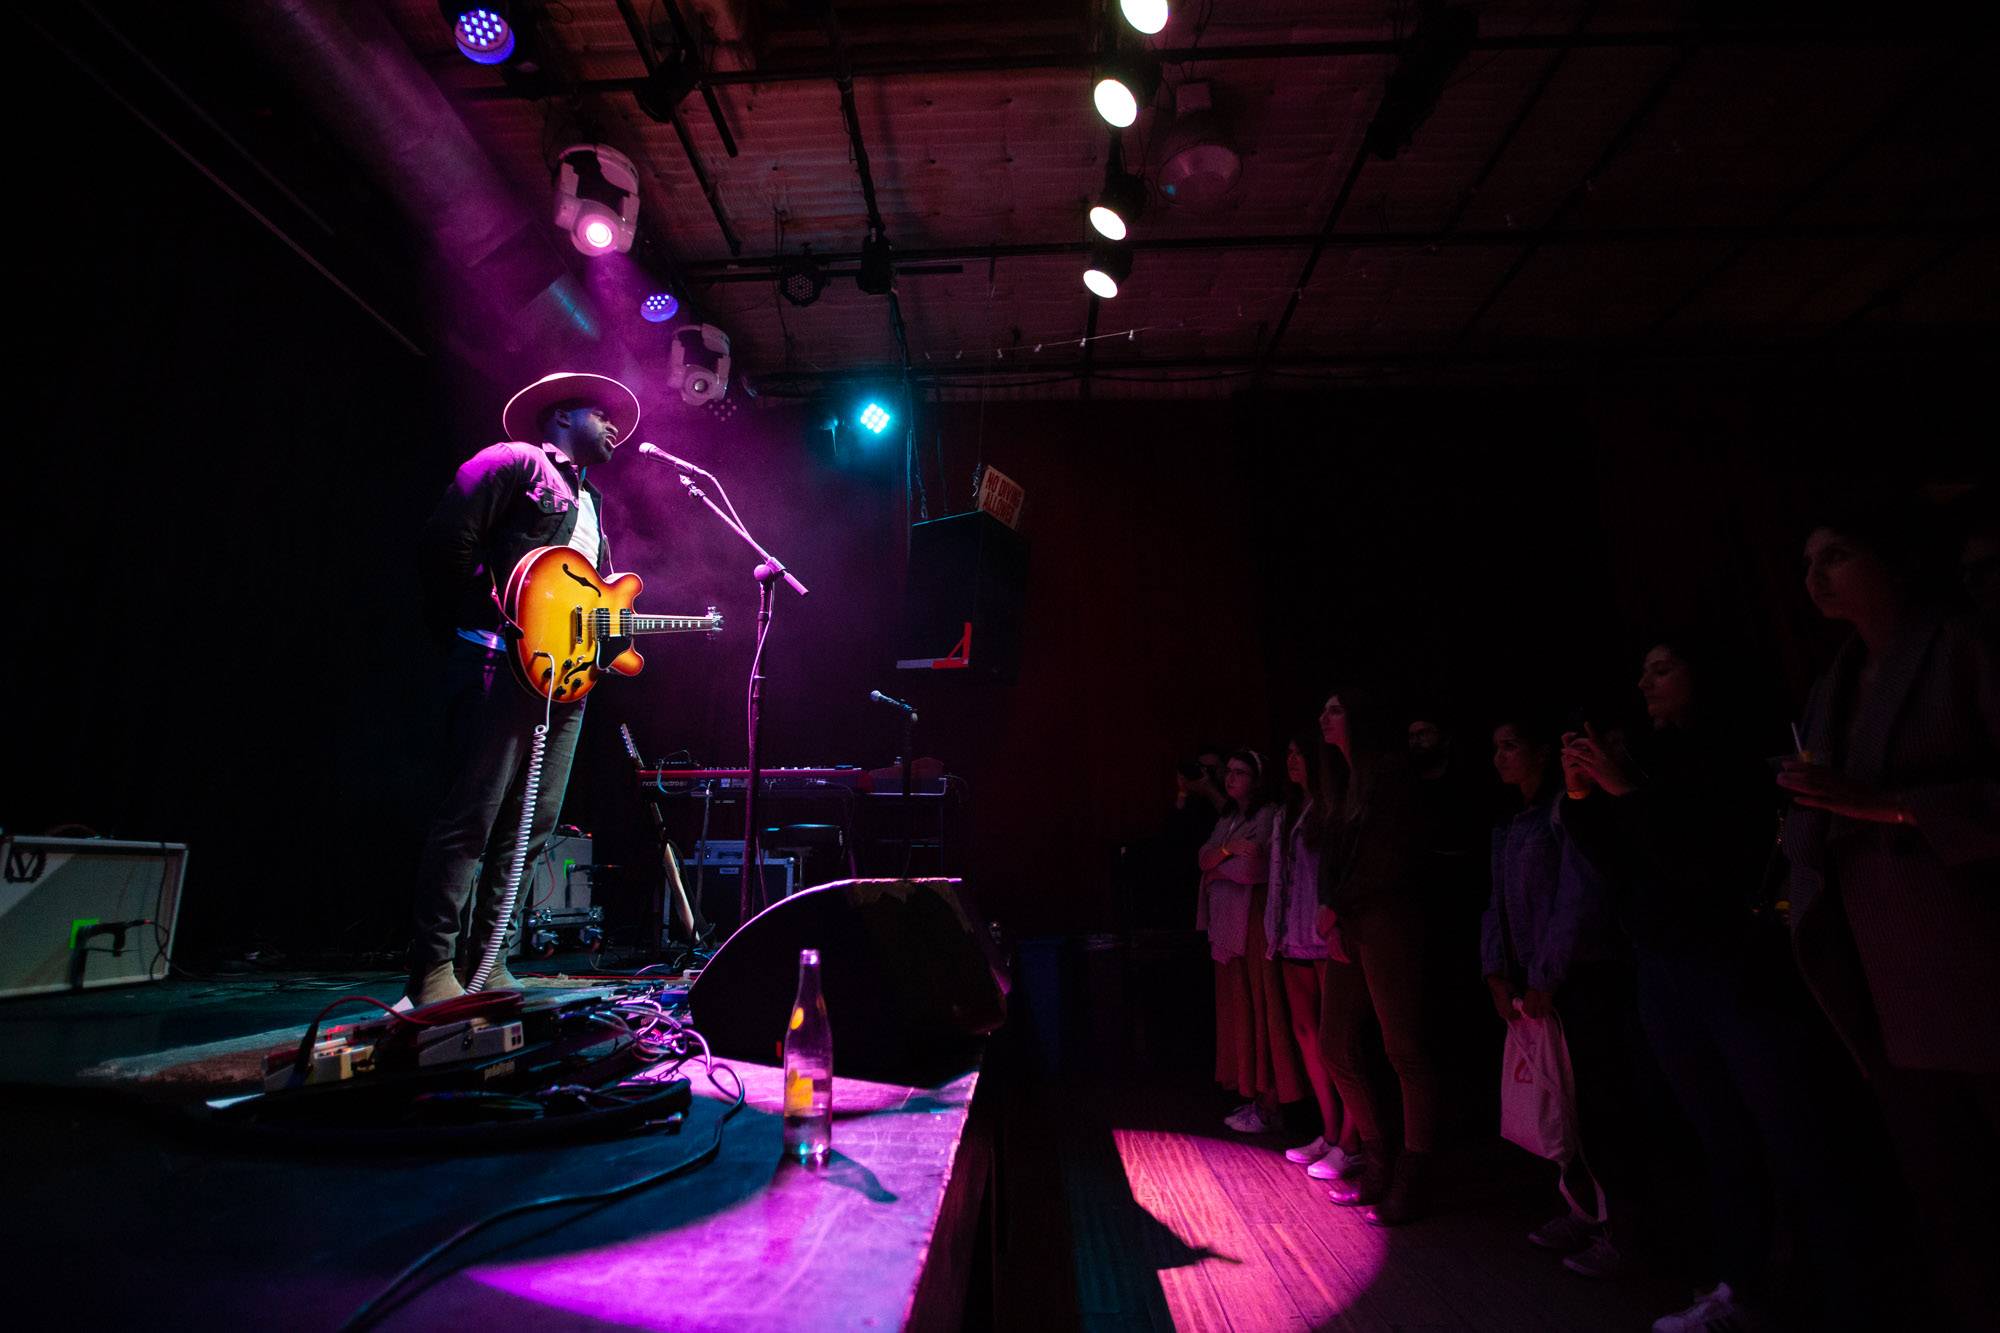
{"x":728,"y":779}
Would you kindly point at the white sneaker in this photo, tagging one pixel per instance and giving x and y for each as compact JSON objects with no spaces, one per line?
{"x":1711,"y":1312}
{"x":1249,"y":1118}
{"x":1566,"y":1234}
{"x":1337,"y":1164}
{"x":1307,"y":1153}
{"x":1601,"y":1259}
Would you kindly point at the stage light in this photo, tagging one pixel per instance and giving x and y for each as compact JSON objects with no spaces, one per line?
{"x":1148,"y":16}
{"x":876,"y":417}
{"x":878,"y":266}
{"x":597,"y":198}
{"x":484,"y":36}
{"x":1124,"y":88}
{"x":1110,"y":265}
{"x":698,"y":365}
{"x":1118,"y":207}
{"x":659,"y":307}
{"x":801,"y":278}
{"x":1199,"y":164}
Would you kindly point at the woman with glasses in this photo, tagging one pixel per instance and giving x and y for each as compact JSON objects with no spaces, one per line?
{"x":1253,"y":1053}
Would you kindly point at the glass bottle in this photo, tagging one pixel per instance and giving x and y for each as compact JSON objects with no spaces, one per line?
{"x":808,"y":1070}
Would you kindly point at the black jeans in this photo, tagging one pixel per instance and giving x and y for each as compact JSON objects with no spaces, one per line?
{"x":1384,"y":982}
{"x":1753,"y":1071}
{"x":1600,"y":1025}
{"x":489,"y":727}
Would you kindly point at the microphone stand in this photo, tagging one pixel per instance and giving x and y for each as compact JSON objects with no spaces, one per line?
{"x":769,"y":570}
{"x":909,"y":749}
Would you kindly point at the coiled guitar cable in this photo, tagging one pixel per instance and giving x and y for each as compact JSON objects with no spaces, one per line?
{"x":537,"y":749}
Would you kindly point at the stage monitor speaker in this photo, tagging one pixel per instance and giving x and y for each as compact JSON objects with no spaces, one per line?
{"x":80,"y":913}
{"x":969,"y":569}
{"x":909,"y":971}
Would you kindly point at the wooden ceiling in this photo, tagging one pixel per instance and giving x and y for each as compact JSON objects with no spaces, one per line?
{"x":1600,"y":183}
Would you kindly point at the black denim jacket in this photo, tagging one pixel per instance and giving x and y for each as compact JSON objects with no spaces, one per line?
{"x":505,"y":501}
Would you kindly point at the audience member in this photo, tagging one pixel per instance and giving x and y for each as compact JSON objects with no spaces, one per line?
{"x":1681,"y":829}
{"x":1302,"y":956}
{"x":1894,"y":848}
{"x":1368,"y":893}
{"x":1549,"y":946}
{"x":1253,"y":1045}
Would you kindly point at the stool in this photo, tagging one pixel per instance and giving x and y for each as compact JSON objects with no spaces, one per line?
{"x":805,"y":841}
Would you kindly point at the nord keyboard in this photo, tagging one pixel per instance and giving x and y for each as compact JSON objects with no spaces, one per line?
{"x":769,"y":779}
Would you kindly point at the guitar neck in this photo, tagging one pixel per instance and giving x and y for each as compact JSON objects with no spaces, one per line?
{"x":667,"y":624}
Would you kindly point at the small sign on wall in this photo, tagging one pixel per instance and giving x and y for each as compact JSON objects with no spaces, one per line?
{"x":1000,"y":496}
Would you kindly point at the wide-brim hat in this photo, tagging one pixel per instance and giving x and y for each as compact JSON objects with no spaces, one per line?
{"x":521,"y":418}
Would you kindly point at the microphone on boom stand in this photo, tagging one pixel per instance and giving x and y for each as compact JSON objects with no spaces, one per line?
{"x":882,"y":698}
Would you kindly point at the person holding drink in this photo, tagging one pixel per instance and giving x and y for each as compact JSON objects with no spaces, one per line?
{"x":1894,"y":846}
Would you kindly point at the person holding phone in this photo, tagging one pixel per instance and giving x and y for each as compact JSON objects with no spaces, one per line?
{"x":1680,"y":826}
{"x":1894,"y":845}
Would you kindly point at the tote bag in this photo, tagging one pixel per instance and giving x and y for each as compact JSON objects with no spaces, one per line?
{"x":1538,"y":1099}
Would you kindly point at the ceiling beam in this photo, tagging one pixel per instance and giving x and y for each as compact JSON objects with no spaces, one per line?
{"x":940,"y":258}
{"x":844,"y":80}
{"x":1079,"y":58}
{"x":1648,"y":104}
{"x":1930,"y":77}
{"x":1810,"y":352}
{"x":644,"y":42}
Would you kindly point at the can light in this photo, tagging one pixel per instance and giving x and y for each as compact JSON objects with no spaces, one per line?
{"x":483,"y":36}
{"x":659,"y":307}
{"x":1115,"y":102}
{"x":875,"y":417}
{"x":1147,"y":16}
{"x":1110,"y":265}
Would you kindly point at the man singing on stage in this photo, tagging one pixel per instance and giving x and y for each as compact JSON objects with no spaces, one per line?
{"x":505,"y":501}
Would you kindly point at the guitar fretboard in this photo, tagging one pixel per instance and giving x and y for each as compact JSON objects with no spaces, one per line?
{"x":625,"y":624}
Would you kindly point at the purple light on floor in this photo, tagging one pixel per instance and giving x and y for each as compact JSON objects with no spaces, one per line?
{"x":483,"y":37}
{"x":659,"y":307}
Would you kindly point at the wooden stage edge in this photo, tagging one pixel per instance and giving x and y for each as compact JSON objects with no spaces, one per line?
{"x":882,"y":1237}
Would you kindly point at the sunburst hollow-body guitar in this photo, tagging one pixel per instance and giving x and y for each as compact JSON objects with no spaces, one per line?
{"x":570,"y":627}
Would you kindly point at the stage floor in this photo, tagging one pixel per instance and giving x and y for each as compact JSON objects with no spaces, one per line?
{"x":128,"y":1213}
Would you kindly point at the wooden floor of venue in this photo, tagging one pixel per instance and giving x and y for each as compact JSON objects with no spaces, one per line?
{"x":1174,"y":1222}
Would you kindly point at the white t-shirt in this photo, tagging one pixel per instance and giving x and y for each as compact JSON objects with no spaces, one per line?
{"x":585,"y":536}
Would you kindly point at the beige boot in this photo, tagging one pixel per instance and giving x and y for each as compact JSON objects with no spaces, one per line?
{"x":434,"y":983}
{"x":498,"y":979}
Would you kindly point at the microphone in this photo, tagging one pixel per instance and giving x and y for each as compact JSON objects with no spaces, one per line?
{"x":882,"y":698}
{"x":652,"y":450}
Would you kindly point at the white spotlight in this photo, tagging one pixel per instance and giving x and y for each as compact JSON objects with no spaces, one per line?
{"x":1148,"y":16}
